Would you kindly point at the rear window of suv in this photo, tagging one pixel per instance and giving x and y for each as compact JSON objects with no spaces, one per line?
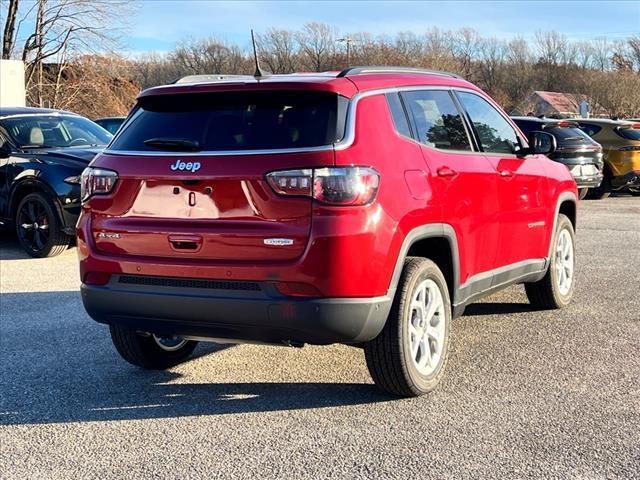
{"x":569,"y":134}
{"x":234,"y":121}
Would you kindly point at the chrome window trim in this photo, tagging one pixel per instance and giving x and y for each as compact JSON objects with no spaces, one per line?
{"x":346,"y":141}
{"x":52,"y":114}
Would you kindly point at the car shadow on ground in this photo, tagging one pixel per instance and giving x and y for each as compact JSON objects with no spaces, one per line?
{"x":57,"y":366}
{"x":497,"y":308}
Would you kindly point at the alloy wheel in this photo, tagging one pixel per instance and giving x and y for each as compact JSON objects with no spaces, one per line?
{"x":427,"y":327}
{"x":33,"y":225}
{"x":564,"y":262}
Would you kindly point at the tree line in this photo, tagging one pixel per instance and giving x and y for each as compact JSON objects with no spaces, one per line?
{"x":63,"y":45}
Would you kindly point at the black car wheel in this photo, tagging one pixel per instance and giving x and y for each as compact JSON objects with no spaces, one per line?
{"x":38,"y":227}
{"x":582,"y":193}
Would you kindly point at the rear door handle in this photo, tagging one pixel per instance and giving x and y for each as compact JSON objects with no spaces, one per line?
{"x":185,"y":242}
{"x":446,"y":172}
{"x":505,"y":173}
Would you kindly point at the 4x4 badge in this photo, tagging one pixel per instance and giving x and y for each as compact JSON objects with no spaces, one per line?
{"x":190,"y":166}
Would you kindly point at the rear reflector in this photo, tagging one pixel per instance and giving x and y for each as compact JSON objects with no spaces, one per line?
{"x":96,"y":278}
{"x":297,"y":289}
{"x":331,"y":185}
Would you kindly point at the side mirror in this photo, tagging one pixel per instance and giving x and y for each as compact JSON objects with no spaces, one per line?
{"x":542,"y":143}
{"x":5,"y":150}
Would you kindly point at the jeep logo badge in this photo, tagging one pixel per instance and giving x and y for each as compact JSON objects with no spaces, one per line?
{"x":189,"y":166}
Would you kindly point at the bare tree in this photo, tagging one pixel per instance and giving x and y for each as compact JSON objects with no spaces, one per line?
{"x":633,"y":47}
{"x":278,"y":49}
{"x":9,"y":32}
{"x":317,"y":43}
{"x":208,"y":56}
{"x":602,"y":54}
{"x":493,"y":53}
{"x":61,"y":28}
{"x":467,"y":44}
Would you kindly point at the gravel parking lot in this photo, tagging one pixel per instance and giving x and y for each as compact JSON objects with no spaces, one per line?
{"x":527,"y":394}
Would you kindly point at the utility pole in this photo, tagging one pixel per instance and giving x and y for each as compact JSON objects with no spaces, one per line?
{"x":347,"y":40}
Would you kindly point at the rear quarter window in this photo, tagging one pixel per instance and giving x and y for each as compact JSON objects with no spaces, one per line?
{"x":398,"y":115}
{"x":236,"y":121}
{"x":628,"y":133}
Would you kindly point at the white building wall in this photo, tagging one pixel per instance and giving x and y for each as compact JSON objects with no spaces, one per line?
{"x":12,"y":90}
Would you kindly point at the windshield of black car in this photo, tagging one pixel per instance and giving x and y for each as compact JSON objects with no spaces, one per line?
{"x":54,"y":131}
{"x":234,"y":121}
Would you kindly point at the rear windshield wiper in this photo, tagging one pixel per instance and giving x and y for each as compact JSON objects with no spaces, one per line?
{"x":179,"y":144}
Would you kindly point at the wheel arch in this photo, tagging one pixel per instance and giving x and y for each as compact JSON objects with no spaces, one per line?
{"x":567,"y":204}
{"x":28,"y":185}
{"x":438,"y":243}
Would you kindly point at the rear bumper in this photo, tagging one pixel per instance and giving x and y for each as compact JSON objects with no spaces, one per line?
{"x":588,"y":181}
{"x":254,"y":313}
{"x":630,"y":180}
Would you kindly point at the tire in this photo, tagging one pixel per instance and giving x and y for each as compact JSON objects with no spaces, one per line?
{"x":635,"y":193}
{"x":146,"y":351}
{"x":43,"y":236}
{"x":582,"y":193}
{"x":389,"y":357}
{"x":604,"y":190}
{"x":550,"y":293}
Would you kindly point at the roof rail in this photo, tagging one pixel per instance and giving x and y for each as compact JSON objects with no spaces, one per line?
{"x":348,"y":72}
{"x":216,"y":77}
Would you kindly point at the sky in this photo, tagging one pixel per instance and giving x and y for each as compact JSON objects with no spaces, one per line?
{"x":157,"y":25}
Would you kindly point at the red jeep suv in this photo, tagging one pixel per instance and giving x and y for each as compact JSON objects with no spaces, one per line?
{"x":365,"y":207}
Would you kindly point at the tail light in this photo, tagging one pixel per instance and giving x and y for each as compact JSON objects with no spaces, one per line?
{"x":331,"y":185}
{"x":96,"y":181}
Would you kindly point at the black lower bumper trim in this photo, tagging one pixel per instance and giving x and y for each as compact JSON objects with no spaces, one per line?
{"x":630,"y":180}
{"x":236,"y":315}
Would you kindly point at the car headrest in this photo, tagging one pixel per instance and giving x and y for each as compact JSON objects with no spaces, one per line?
{"x":36,"y":137}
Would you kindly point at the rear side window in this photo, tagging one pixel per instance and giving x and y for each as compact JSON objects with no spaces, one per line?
{"x":234,"y":121}
{"x":398,"y":114}
{"x":437,"y":121}
{"x":628,"y":133}
{"x":495,"y":133}
{"x":590,"y":129}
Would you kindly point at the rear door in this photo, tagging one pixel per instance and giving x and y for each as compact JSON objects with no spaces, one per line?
{"x":464,"y":179}
{"x":192,"y":175}
{"x":521,"y":183}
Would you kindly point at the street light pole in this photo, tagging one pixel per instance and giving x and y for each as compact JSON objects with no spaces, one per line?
{"x":347,"y":41}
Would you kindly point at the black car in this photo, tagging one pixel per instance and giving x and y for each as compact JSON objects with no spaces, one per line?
{"x":42,"y":154}
{"x":110,"y":124}
{"x":579,"y":152}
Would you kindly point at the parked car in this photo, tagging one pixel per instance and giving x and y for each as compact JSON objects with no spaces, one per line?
{"x":620,"y":142}
{"x":575,"y":149}
{"x":42,"y":154}
{"x":367,"y":207}
{"x":110,"y":124}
